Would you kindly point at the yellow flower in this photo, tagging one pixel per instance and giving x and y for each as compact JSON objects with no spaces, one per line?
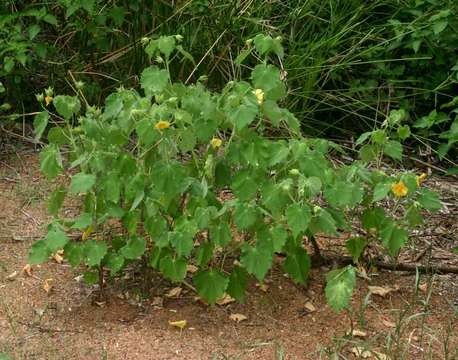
{"x":259,"y":95}
{"x":48,"y":100}
{"x":161,"y":125}
{"x":399,"y":189}
{"x":421,"y":178}
{"x":216,"y":143}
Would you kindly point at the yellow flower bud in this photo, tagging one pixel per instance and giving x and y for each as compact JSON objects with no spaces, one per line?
{"x":162,"y":125}
{"x":421,"y":178}
{"x":259,"y":96}
{"x":216,"y":143}
{"x":399,"y":189}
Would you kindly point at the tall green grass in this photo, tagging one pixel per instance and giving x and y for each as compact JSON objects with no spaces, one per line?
{"x":347,"y":62}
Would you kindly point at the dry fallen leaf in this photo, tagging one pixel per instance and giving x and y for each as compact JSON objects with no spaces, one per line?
{"x":358,"y":333}
{"x":158,"y":301}
{"x":175,"y":292}
{"x":48,"y":285}
{"x":27,"y":269}
{"x":237,"y":317}
{"x":226,"y":299}
{"x":361,"y":352}
{"x":58,"y":258}
{"x":380,"y":356}
{"x":382,"y":291}
{"x":310,"y":307}
{"x":388,"y":323}
{"x":12,"y":276}
{"x":191,"y":268}
{"x":181,"y":324}
{"x":423,"y":287}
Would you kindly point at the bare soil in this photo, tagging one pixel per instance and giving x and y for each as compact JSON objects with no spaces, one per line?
{"x":69,"y":322}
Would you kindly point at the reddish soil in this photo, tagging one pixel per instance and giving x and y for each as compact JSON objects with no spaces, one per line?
{"x":68,"y":323}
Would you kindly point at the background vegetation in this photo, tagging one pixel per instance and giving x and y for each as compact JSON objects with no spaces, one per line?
{"x":347,"y":63}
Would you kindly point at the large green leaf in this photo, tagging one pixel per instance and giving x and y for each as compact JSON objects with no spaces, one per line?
{"x":237,"y":284}
{"x":267,"y":78}
{"x":393,"y":149}
{"x":83,"y":221}
{"x":393,"y":237}
{"x":243,"y":115}
{"x":429,"y":200}
{"x":95,"y":252}
{"x":245,"y":215}
{"x":114,"y":262}
{"x":67,"y":106}
{"x":344,"y":193}
{"x":323,"y":221}
{"x":182,"y":241}
{"x":82,"y":183}
{"x":256,"y":260}
{"x":56,"y":239}
{"x":244,"y":185}
{"x":339,"y":287}
{"x":169,"y":178}
{"x":211,"y":285}
{"x":154,"y":80}
{"x":38,"y":253}
{"x":173,"y":268}
{"x":298,"y":265}
{"x":50,"y":161}
{"x":355,"y":247}
{"x":74,"y":253}
{"x":56,"y":200}
{"x":39,"y":124}
{"x":221,"y":234}
{"x":298,"y":218}
{"x":134,"y":248}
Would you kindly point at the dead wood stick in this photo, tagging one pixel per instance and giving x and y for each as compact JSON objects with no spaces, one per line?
{"x":411,"y":267}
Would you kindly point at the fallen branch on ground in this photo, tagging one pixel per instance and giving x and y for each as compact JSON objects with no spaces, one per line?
{"x":412,"y":267}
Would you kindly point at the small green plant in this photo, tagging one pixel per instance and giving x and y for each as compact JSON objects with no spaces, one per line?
{"x":155,"y":164}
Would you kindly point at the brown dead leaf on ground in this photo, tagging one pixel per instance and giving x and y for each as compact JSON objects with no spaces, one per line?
{"x":12,"y":276}
{"x":388,"y":324}
{"x":226,"y":299}
{"x":361,"y":352}
{"x":191,"y":268}
{"x":174,"y":293}
{"x":48,"y":285}
{"x":310,"y":307}
{"x":27,"y":269}
{"x":58,"y":257}
{"x":357,"y":333}
{"x":237,"y":317}
{"x":382,"y":291}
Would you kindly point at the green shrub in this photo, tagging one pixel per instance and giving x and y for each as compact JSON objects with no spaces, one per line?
{"x":155,"y":164}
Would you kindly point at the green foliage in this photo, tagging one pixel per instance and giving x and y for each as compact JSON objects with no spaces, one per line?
{"x":339,"y":287}
{"x":131,"y":168}
{"x":367,"y":58}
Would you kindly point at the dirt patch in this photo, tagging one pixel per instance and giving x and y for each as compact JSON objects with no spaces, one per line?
{"x":284,"y":321}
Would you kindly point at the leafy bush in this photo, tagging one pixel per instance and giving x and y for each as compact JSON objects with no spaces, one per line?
{"x":151,"y":169}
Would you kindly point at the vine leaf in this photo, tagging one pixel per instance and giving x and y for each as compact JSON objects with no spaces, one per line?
{"x":256,"y":260}
{"x":211,"y":285}
{"x":82,"y":183}
{"x":339,"y":287}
